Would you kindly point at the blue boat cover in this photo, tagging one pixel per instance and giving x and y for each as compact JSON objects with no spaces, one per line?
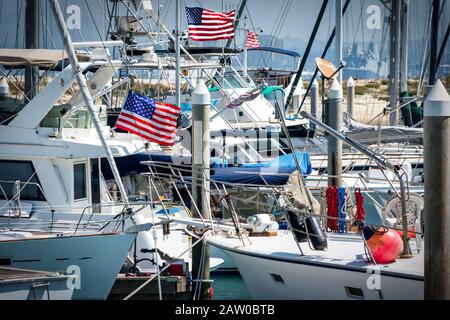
{"x":274,"y":172}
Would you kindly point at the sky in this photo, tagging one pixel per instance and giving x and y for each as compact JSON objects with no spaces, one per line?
{"x":261,"y":15}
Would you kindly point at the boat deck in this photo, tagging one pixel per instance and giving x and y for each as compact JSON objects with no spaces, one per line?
{"x":344,"y":251}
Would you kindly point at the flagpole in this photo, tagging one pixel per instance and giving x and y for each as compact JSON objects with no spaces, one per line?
{"x":245,"y":74}
{"x":177,"y":53}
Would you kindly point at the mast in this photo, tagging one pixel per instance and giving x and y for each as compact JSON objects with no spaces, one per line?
{"x":81,"y":80}
{"x":339,"y":37}
{"x":245,"y":73}
{"x":177,"y":52}
{"x":443,"y":45}
{"x":324,"y":53}
{"x":434,"y":40}
{"x":236,"y":22}
{"x":404,"y":46}
{"x":306,"y":54}
{"x":394,"y":60}
{"x":31,"y":42}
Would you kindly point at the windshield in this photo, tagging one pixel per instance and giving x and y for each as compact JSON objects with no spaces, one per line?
{"x":229,"y":81}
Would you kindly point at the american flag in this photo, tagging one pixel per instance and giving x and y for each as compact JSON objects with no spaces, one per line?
{"x":148,"y":119}
{"x":207,"y":25}
{"x":252,"y":40}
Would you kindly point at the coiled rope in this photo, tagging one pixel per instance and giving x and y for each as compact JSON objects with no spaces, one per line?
{"x":360,"y":211}
{"x":332,"y":208}
{"x":342,"y":209}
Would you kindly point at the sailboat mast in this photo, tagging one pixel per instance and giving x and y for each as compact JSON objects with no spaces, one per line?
{"x":245,"y":73}
{"x":443,"y":45}
{"x":339,"y":37}
{"x":394,"y":60}
{"x":434,"y":44}
{"x":404,"y":47}
{"x":31,"y":42}
{"x":238,"y":18}
{"x":177,"y":52}
{"x":311,"y":40}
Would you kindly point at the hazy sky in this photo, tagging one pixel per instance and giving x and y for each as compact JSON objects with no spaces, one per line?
{"x":264,"y":14}
{"x":261,"y":14}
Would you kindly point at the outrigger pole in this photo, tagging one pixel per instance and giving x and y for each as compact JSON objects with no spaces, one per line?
{"x":81,"y":80}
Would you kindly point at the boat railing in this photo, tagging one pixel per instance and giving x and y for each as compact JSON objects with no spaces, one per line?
{"x":15,"y":200}
{"x":90,"y":217}
{"x":180,"y":175}
{"x":126,"y":212}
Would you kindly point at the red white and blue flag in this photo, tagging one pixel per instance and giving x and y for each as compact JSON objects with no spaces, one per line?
{"x":252,"y":40}
{"x":207,"y":25}
{"x":153,"y":121}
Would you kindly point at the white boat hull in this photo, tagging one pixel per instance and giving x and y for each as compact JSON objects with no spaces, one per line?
{"x":97,"y":257}
{"x":285,"y":276}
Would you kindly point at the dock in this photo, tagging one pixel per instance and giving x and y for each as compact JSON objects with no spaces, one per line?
{"x":173,"y":288}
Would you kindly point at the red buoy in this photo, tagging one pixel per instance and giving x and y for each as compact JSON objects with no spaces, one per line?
{"x":385,"y":245}
{"x":211,"y":292}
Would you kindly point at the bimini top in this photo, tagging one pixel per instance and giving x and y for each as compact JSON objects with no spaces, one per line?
{"x":204,"y":51}
{"x":277,"y":50}
{"x":19,"y":58}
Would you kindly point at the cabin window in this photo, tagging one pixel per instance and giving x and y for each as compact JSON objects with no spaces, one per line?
{"x":230,"y":81}
{"x":79,"y":181}
{"x":23,"y":171}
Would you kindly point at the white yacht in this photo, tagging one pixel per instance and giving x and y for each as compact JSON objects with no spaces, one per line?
{"x":91,"y":259}
{"x":343,"y":271}
{"x":52,"y":166}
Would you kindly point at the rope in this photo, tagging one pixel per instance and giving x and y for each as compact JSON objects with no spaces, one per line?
{"x":342,"y":209}
{"x":360,"y":211}
{"x":332,"y":208}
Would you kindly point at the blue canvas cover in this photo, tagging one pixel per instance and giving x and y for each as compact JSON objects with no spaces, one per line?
{"x":274,"y":172}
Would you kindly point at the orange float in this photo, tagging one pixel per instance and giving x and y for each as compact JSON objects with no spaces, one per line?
{"x":386,"y":245}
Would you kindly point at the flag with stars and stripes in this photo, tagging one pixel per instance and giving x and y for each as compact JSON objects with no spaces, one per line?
{"x":207,"y":25}
{"x":252,"y":40}
{"x":153,"y":121}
